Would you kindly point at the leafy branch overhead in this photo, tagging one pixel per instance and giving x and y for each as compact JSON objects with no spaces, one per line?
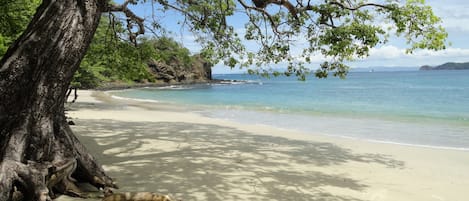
{"x":132,"y":19}
{"x":292,"y":32}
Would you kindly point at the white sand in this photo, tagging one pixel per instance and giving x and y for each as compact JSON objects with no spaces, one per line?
{"x":197,"y":162}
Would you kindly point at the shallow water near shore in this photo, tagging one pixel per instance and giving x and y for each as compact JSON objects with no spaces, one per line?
{"x":419,"y":108}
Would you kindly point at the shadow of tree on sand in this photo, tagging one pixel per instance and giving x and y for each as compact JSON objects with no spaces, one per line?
{"x":210,"y":162}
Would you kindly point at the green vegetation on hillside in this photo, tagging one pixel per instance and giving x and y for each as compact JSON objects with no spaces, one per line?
{"x":169,"y":52}
{"x":110,"y":59}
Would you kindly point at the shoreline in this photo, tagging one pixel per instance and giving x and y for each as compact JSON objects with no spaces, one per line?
{"x":255,"y":162}
{"x":111,"y":86}
{"x":355,"y":123}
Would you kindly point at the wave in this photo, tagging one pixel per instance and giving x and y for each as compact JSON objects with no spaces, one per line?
{"x":134,"y":99}
{"x":237,"y":82}
{"x":419,"y":145}
{"x":177,"y":87}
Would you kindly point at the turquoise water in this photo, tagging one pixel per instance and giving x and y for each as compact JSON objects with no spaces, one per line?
{"x":419,"y":108}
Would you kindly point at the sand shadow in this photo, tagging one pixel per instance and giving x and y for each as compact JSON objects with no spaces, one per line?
{"x":210,"y":162}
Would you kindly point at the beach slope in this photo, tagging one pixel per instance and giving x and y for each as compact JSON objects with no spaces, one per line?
{"x":170,"y":150}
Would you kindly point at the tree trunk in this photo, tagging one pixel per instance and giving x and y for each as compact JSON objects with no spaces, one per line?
{"x":38,"y":151}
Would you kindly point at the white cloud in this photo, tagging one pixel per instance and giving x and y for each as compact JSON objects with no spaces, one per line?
{"x":453,"y":13}
{"x":456,"y":24}
{"x":387,"y":52}
{"x":448,"y":53}
{"x":393,"y":52}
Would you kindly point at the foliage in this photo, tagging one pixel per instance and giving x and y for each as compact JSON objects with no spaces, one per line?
{"x":111,"y":59}
{"x":171,"y":52}
{"x":292,"y":32}
{"x":288,"y":33}
{"x":14,"y":17}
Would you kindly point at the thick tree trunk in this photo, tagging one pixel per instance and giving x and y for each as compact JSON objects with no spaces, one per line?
{"x":38,"y":151}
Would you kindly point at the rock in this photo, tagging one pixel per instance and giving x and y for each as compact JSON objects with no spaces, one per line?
{"x":199,"y":71}
{"x":162,"y":71}
{"x":205,"y":67}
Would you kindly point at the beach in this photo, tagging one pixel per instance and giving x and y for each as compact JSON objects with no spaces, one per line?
{"x":170,"y":149}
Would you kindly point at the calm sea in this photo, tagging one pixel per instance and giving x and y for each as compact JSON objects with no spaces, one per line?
{"x":417,"y":108}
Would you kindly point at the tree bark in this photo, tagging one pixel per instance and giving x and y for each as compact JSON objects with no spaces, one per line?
{"x":38,"y":151}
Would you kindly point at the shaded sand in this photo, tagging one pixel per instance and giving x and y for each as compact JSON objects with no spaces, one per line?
{"x":170,"y":150}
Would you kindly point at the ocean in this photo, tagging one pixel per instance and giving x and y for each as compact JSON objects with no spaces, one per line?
{"x":415,"y":108}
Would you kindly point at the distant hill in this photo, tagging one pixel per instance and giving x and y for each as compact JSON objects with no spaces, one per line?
{"x":448,"y":66}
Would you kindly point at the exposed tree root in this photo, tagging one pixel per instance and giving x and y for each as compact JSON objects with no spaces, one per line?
{"x":25,"y":179}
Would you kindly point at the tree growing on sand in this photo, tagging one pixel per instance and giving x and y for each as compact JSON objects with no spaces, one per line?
{"x":40,"y":156}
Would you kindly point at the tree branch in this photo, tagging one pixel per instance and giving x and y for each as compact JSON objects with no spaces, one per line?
{"x":132,"y":19}
{"x":349,"y":7}
{"x":264,"y":12}
{"x":285,"y":3}
{"x":359,"y":6}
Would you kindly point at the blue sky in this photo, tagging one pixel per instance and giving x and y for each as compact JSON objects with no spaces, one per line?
{"x":454,"y":14}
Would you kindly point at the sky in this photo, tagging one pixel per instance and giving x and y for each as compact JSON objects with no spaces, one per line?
{"x":455,"y":19}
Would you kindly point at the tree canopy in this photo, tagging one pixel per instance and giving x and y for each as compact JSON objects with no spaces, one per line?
{"x":294,"y":31}
{"x":283,"y":32}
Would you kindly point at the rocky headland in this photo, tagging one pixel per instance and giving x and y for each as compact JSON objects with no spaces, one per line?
{"x":448,"y":66}
{"x":175,"y":72}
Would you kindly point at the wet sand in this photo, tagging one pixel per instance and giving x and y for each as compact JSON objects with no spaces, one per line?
{"x":170,"y":150}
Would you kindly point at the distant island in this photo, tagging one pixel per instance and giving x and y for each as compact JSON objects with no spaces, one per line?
{"x":448,"y":66}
